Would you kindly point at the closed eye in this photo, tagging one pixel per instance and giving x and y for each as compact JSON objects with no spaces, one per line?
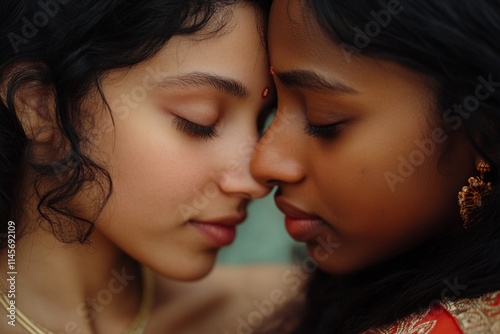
{"x":328,"y":131}
{"x":195,"y":130}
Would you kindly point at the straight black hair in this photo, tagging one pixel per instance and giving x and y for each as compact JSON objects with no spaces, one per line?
{"x":453,"y":43}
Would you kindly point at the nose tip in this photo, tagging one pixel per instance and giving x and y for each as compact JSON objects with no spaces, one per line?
{"x":237,"y":180}
{"x":262,"y":190}
{"x":258,"y":171}
{"x":244,"y":186}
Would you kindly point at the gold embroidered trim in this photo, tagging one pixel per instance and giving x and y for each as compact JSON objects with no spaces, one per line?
{"x":474,"y":316}
{"x":477,"y":316}
{"x":412,"y":324}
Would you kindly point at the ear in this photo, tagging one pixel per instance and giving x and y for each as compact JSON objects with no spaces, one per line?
{"x":35,"y":109}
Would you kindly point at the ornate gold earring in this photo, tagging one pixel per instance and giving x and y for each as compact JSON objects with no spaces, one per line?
{"x":472,"y":197}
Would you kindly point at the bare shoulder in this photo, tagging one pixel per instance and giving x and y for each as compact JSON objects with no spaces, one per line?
{"x":231,"y":298}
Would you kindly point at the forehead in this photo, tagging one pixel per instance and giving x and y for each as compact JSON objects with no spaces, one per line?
{"x":297,"y":42}
{"x":295,"y":38}
{"x":234,"y":51}
{"x":293,"y":22}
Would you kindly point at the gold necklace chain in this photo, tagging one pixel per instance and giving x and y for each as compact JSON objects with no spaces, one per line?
{"x":136,"y":327}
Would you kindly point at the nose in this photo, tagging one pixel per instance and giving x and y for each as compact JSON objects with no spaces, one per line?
{"x":277,"y":156}
{"x":235,"y":179}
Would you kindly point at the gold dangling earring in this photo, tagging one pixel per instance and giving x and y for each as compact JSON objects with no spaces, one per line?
{"x":472,"y":196}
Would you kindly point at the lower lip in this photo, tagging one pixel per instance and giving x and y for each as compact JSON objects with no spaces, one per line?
{"x":220,"y":235}
{"x":303,"y":229}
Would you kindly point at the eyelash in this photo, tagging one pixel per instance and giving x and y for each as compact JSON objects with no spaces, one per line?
{"x":195,"y":130}
{"x":322,"y":131}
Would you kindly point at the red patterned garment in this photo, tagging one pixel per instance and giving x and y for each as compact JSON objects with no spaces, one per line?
{"x":465,"y":316}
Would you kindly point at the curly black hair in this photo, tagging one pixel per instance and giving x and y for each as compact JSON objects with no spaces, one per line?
{"x":66,"y":47}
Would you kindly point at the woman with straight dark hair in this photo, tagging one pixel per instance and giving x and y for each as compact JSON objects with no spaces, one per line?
{"x":388,"y":166}
{"x":126,"y":129}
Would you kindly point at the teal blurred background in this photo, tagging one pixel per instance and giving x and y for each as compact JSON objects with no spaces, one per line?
{"x":262,"y":238}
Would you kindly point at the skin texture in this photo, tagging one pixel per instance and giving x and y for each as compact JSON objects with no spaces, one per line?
{"x":382,"y":112}
{"x":163,"y":179}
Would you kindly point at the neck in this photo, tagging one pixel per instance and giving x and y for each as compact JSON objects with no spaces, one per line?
{"x":95,"y":287}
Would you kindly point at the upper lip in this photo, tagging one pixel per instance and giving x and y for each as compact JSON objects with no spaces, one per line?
{"x":227,"y":220}
{"x":291,"y":211}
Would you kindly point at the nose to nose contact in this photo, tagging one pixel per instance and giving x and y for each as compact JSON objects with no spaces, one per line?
{"x":236,"y":178}
{"x":276,"y":158}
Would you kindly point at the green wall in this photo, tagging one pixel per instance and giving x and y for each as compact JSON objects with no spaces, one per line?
{"x":262,"y":238}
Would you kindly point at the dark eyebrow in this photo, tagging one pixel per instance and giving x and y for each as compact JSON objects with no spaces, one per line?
{"x":201,"y":79}
{"x":311,"y":80}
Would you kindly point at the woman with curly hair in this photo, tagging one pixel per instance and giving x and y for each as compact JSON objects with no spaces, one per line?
{"x":126,"y":133}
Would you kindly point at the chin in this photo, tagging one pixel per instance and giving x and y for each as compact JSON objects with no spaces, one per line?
{"x":191,"y":269}
{"x":338,"y":270}
{"x":335,"y":264}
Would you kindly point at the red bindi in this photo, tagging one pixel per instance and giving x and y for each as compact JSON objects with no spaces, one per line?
{"x":265,"y":93}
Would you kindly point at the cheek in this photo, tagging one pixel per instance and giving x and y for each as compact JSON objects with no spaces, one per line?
{"x":154,"y":173}
{"x":384,"y":179}
{"x":158,"y":185}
